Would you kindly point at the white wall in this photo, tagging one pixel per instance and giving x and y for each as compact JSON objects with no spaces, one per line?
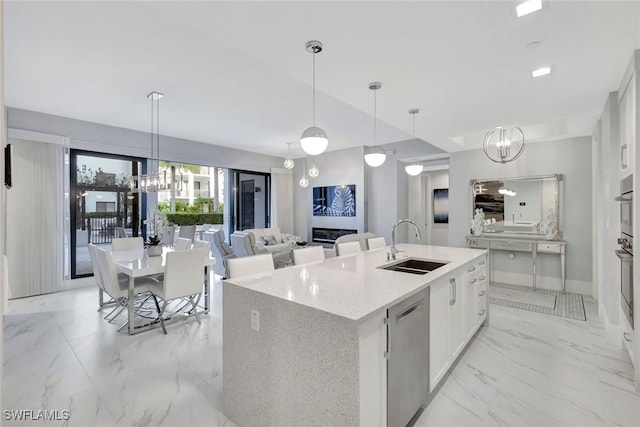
{"x":570,"y":157}
{"x":336,"y":167}
{"x":109,"y":139}
{"x":390,"y":188}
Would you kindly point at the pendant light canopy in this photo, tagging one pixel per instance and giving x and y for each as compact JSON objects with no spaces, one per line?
{"x":415,"y":168}
{"x":288,"y":161}
{"x":314,"y":140}
{"x":375,"y":156}
{"x":503,"y":144}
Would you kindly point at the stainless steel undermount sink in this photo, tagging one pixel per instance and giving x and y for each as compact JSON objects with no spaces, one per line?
{"x":414,"y":266}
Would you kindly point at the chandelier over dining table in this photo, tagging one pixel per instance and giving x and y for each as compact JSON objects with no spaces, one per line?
{"x":158,"y":180}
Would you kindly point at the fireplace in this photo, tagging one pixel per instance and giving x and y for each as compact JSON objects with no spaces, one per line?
{"x":329,"y":235}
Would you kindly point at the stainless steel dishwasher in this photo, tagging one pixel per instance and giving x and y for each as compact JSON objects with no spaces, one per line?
{"x":407,"y":358}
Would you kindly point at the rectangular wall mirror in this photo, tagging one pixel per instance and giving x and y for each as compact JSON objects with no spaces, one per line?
{"x":517,"y":205}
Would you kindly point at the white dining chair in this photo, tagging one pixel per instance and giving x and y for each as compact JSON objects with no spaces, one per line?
{"x":182,"y":243}
{"x":202,"y":244}
{"x":182,"y":279}
{"x":376,"y":242}
{"x":246,"y":266}
{"x":121,"y":233}
{"x":97,"y":275}
{"x":187,"y":232}
{"x":118,"y":287}
{"x":348,"y":248}
{"x":307,"y":255}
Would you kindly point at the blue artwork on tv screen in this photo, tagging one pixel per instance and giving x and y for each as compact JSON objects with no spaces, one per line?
{"x":336,"y":200}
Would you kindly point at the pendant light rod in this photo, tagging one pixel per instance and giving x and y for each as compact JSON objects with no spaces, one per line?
{"x":415,"y":168}
{"x":314,"y":140}
{"x":375,"y":156}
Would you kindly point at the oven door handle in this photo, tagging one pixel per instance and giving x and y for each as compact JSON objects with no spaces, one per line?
{"x":624,"y":256}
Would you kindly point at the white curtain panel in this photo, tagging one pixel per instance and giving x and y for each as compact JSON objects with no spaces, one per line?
{"x":282,"y":199}
{"x":35,"y":217}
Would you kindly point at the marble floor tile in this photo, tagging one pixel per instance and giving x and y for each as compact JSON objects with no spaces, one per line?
{"x":525,"y":369}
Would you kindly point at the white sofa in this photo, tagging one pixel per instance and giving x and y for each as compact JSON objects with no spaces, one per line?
{"x":244,"y":243}
{"x":282,"y":241}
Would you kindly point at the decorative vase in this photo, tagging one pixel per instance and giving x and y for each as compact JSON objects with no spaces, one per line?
{"x":154,"y":250}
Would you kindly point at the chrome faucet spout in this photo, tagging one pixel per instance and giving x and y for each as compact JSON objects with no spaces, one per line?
{"x":394,"y":250}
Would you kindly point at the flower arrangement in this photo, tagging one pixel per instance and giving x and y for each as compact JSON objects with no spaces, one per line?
{"x":158,"y":224}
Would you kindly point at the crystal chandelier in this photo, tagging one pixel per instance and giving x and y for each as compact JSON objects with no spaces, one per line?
{"x":313,"y":170}
{"x":375,"y":155}
{"x":502,"y":144}
{"x":288,"y":161}
{"x":314,"y":140}
{"x":155,"y":181}
{"x":415,"y":168}
{"x":304,"y":181}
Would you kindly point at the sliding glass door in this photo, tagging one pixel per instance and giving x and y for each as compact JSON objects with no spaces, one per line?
{"x":102,"y":205}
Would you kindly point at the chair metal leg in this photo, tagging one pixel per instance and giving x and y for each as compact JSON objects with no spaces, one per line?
{"x":195,"y":307}
{"x":160,"y":312}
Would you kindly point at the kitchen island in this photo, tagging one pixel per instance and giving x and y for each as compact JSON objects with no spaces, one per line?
{"x":307,"y":345}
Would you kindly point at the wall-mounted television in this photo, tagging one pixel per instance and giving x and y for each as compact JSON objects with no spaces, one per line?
{"x":335,"y":200}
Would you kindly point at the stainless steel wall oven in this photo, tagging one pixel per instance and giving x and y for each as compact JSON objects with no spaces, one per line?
{"x":625,"y":253}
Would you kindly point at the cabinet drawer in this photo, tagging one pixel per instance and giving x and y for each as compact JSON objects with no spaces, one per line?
{"x":481,"y":292}
{"x":514,"y":246}
{"x":549,"y":247}
{"x":482,"y":313}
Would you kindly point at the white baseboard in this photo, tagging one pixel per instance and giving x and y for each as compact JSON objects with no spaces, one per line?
{"x":543,"y":282}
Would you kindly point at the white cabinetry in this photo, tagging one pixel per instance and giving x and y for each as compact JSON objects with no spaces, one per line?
{"x":457,"y":307}
{"x":628,"y":98}
{"x":439,"y":359}
{"x":627,"y":106}
{"x":475,"y":297}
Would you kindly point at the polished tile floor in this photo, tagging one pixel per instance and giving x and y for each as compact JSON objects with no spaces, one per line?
{"x":526,"y":369}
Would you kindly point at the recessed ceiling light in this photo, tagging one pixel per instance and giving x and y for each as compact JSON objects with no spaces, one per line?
{"x":528,"y":7}
{"x":534,"y":44}
{"x":542,"y":71}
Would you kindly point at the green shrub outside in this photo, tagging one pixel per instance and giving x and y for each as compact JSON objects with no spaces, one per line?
{"x":179,"y":218}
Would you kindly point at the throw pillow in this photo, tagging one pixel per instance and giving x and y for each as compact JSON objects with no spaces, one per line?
{"x":269,"y":240}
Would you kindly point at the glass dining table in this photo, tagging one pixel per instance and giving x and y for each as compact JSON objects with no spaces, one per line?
{"x":137,"y":263}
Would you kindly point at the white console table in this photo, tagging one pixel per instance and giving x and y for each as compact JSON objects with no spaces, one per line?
{"x":533,"y":245}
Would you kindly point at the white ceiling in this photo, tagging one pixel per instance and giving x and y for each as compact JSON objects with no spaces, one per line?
{"x":237,"y":73}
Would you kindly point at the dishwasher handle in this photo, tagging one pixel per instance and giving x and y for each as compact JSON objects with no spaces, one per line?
{"x":407,"y":311}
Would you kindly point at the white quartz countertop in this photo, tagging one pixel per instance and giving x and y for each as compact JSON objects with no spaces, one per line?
{"x":352,"y":286}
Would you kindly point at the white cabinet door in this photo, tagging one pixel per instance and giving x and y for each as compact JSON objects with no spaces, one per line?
{"x":627,"y":126}
{"x":456,"y":337}
{"x":439,"y":359}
